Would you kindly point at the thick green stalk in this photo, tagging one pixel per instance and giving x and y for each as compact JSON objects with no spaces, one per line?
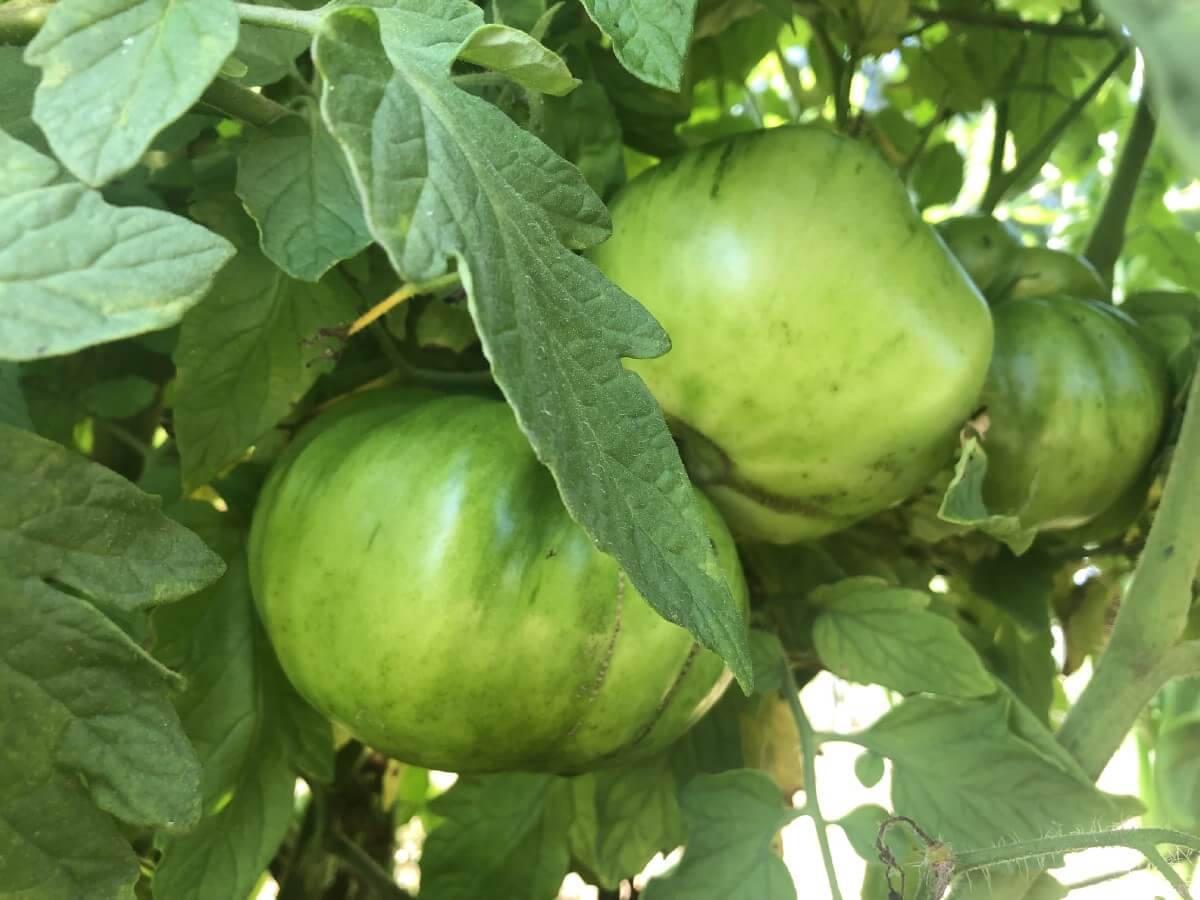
{"x":1108,"y":234}
{"x":1144,"y":651}
{"x":242,"y":103}
{"x":301,"y":20}
{"x":808,"y":748}
{"x":1042,"y":850}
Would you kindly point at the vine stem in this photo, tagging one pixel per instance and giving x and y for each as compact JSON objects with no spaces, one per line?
{"x":1144,"y":651}
{"x":808,"y":747}
{"x":1042,"y":850}
{"x":238,"y":102}
{"x":303,"y":21}
{"x":1108,"y":234}
{"x":1010,"y":23}
{"x":398,"y":296}
{"x":1035,"y":155}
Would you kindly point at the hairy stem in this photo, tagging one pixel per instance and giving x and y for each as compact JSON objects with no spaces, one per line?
{"x":1042,"y":850}
{"x":1036,"y":155}
{"x":1108,"y":234}
{"x":303,"y":21}
{"x":241,"y":103}
{"x":808,"y":747}
{"x":20,"y":21}
{"x":1010,"y":23}
{"x":1144,"y":651}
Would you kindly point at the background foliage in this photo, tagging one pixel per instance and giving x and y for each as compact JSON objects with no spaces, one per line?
{"x":198,"y":197}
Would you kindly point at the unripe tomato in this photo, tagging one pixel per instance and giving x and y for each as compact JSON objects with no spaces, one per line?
{"x":826,"y":348}
{"x":985,"y":247}
{"x":1042,"y":272}
{"x":424,"y":586}
{"x":1076,"y":400}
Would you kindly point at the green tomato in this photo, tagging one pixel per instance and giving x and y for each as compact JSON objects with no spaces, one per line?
{"x":987,"y":248}
{"x":1042,"y":272}
{"x":826,"y":348}
{"x":1076,"y":401}
{"x":424,"y":586}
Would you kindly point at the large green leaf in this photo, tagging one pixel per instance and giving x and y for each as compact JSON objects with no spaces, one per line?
{"x":445,"y":175}
{"x":75,"y":271}
{"x":519,"y":56}
{"x":246,"y":354}
{"x":976,"y":772}
{"x":650,"y":37}
{"x":622,"y":817}
{"x":504,"y":836}
{"x":116,"y":72}
{"x":89,"y":731}
{"x":873,"y":633}
{"x":85,"y":527}
{"x":731,"y":819}
{"x":296,"y":183}
{"x":250,"y":729}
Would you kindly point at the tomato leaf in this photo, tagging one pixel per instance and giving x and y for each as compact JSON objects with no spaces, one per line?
{"x":873,"y":633}
{"x":1168,"y":34}
{"x":520,"y":57}
{"x":622,"y":817}
{"x":731,"y":819}
{"x":75,"y":271}
{"x":963,"y":503}
{"x":504,"y":836}
{"x":119,"y":398}
{"x":268,"y":53}
{"x":246,"y":353}
{"x":296,"y":183}
{"x":250,"y":729}
{"x":966,"y":775}
{"x":90,"y":530}
{"x":436,"y":185}
{"x":112,"y":76}
{"x":16,"y":98}
{"x":89,"y":730}
{"x":13,"y":410}
{"x":650,"y":37}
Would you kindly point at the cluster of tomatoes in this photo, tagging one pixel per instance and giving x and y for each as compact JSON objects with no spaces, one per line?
{"x":423,"y":584}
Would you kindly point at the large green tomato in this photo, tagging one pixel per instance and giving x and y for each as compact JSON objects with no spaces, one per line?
{"x":424,"y":586}
{"x":1043,"y":272}
{"x":826,"y":348}
{"x":987,"y":248}
{"x":1076,"y":400}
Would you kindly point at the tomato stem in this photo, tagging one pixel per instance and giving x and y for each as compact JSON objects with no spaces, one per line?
{"x":1108,"y":234}
{"x":241,"y":103}
{"x":808,"y":748}
{"x":1033,"y":158}
{"x":1145,"y":651}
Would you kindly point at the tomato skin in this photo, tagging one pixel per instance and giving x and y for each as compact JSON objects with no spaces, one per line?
{"x":424,"y":586}
{"x":826,"y":348}
{"x":985,"y":247}
{"x":1043,"y":272}
{"x":1076,"y":399}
